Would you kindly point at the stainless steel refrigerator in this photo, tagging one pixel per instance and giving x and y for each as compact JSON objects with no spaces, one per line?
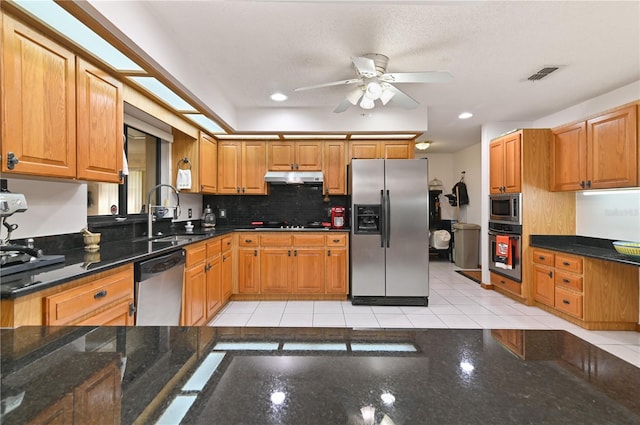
{"x":389,"y":231}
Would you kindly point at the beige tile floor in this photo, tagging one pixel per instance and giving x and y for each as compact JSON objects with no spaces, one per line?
{"x":454,"y":302}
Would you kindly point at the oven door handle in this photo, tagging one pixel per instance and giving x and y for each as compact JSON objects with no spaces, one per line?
{"x":511,"y":235}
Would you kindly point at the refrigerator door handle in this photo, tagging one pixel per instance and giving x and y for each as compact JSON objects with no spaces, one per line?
{"x":382,"y":218}
{"x":387,"y":215}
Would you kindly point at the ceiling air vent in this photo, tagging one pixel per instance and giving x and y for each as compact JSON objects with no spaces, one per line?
{"x":542,"y":73}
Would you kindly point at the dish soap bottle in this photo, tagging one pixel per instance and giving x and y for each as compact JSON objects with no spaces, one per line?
{"x":208,"y":217}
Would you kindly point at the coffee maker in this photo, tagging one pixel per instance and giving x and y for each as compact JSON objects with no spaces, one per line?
{"x":337,"y":217}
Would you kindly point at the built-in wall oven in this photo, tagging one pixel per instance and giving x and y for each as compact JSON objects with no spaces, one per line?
{"x":510,"y":236}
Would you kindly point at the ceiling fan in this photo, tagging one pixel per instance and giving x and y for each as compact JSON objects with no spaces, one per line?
{"x":374,"y":83}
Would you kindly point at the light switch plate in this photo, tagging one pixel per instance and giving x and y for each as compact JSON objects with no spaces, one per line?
{"x":223,"y":213}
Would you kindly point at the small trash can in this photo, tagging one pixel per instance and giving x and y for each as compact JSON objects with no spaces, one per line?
{"x":466,"y":242}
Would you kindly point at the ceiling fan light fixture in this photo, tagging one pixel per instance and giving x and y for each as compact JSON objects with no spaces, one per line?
{"x":386,"y":95}
{"x":373,"y":90}
{"x":354,"y":95}
{"x":424,"y":145}
{"x":367,"y":103}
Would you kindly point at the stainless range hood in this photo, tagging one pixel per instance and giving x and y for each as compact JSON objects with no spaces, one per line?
{"x":293,"y":177}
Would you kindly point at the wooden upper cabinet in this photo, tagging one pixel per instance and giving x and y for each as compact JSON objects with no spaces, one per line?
{"x":568,"y":161}
{"x":364,"y":150}
{"x":504,"y":164}
{"x":334,"y":168}
{"x":397,"y":150}
{"x":612,"y":144}
{"x":254,"y":167}
{"x":99,"y":124}
{"x":208,"y":164}
{"x":229,"y":157}
{"x":298,"y":155}
{"x":38,"y":103}
{"x":600,"y":153}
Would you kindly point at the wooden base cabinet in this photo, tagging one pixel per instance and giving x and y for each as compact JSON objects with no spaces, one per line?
{"x":227,"y":268}
{"x":194,"y":287}
{"x":594,"y":294}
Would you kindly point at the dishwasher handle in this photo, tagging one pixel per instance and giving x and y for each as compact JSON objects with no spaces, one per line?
{"x":147,"y":269}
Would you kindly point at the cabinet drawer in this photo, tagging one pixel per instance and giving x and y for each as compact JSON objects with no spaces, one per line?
{"x":506,"y":283}
{"x":226,"y":243}
{"x":568,"y":280}
{"x":568,"y":302}
{"x":68,"y":306}
{"x":336,"y":240}
{"x":248,"y":239}
{"x":543,"y":257}
{"x":214,"y":247}
{"x":195,"y":254}
{"x":275,"y":240}
{"x":308,"y":240}
{"x":569,"y":263}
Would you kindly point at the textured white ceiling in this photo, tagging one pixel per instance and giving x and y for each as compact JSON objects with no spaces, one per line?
{"x":233,"y":54}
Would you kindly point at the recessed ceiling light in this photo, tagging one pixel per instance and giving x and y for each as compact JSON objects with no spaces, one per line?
{"x":279,"y":97}
{"x":465,"y":115}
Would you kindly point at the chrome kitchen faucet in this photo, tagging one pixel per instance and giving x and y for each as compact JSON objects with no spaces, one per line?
{"x":150,"y":216}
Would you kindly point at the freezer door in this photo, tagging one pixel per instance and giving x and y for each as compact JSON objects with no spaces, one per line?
{"x":407,"y":253}
{"x":367,"y":251}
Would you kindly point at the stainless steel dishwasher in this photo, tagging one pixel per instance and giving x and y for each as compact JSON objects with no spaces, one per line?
{"x":159,"y":289}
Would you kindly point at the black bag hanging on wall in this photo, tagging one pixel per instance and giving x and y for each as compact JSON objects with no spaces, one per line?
{"x":463,"y":196}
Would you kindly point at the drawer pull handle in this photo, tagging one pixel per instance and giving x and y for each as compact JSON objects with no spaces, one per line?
{"x":328,"y":253}
{"x":566,"y":302}
{"x":100,"y":294}
{"x":566,"y":280}
{"x":541,"y":257}
{"x":248,"y":240}
{"x":503,"y":282}
{"x":566,"y":263}
{"x":255,"y":252}
{"x":336,"y":240}
{"x":550,"y":274}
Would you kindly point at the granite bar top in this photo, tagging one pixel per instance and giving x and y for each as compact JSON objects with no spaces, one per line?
{"x":79,"y":263}
{"x":601,"y":249}
{"x":319,"y":375}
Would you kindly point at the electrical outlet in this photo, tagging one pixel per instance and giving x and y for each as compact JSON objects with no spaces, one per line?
{"x":223,"y":213}
{"x":190,"y":212}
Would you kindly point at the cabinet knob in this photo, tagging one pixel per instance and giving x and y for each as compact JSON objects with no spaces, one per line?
{"x":328,"y":253}
{"x":589,"y":183}
{"x":238,"y":189}
{"x":255,"y":252}
{"x":550,"y":274}
{"x":582,"y":184}
{"x":243,"y":189}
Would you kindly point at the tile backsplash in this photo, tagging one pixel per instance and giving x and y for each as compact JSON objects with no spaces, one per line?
{"x":296,"y":204}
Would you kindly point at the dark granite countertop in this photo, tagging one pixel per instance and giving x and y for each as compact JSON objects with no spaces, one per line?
{"x":79,"y":263}
{"x":601,"y":249}
{"x":321,"y":375}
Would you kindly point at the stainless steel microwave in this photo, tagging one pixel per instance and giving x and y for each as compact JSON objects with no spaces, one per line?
{"x":506,"y":208}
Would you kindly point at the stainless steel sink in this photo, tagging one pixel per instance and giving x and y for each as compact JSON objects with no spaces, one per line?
{"x":175,"y":238}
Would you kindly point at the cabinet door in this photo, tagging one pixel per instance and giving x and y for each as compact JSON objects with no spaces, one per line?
{"x":309,"y":270}
{"x":118,"y":315}
{"x":60,"y":413}
{"x":248,"y":271}
{"x":364,"y":150}
{"x":336,"y":279}
{"x":99,"y":123}
{"x":612,"y":159}
{"x":334,"y":168}
{"x":543,"y":283}
{"x":281,"y":156}
{"x":254,"y":166}
{"x":397,"y":150}
{"x":214,"y":285}
{"x":569,"y":158}
{"x":275,"y":271}
{"x":308,"y":156}
{"x":208,"y":164}
{"x":97,"y":400}
{"x":38,"y":87}
{"x":512,"y":147}
{"x":496,"y":166}
{"x":227,"y":275}
{"x":229,"y":163}
{"x":195,"y":296}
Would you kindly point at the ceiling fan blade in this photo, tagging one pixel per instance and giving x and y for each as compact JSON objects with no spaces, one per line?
{"x":365,"y":66}
{"x":342,"y":106}
{"x":402,"y":99}
{"x":334,"y":83}
{"x":417,"y":77}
